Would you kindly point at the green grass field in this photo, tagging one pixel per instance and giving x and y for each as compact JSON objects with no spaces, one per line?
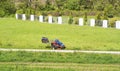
{"x":56,"y":67}
{"x":82,"y":58}
{"x":44,"y":61}
{"x":27,"y":34}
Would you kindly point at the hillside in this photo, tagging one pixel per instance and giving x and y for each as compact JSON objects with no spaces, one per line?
{"x":26,"y":34}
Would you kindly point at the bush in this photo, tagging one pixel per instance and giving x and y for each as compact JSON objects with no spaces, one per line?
{"x":92,"y":13}
{"x":70,"y":20}
{"x":54,"y":13}
{"x":75,"y":21}
{"x":85,"y":18}
{"x":110,"y":15}
{"x":20,"y":11}
{"x":75,"y":13}
{"x":38,"y":13}
{"x":32,"y":11}
{"x":46,"y":18}
{"x":98,"y":23}
{"x":27,"y":12}
{"x":99,"y":18}
{"x":67,"y":12}
{"x":45,"y":13}
{"x":105,"y":15}
{"x":112,"y":22}
{"x":2,"y":13}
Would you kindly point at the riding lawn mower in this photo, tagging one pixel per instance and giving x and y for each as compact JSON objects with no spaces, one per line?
{"x":55,"y":44}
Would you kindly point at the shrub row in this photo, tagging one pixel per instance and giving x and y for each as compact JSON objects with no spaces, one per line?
{"x":58,"y":13}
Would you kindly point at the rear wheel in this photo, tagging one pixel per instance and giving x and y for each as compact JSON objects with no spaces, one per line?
{"x":54,"y":46}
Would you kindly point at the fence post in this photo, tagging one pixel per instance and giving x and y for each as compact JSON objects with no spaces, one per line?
{"x":49,"y":19}
{"x":92,"y":22}
{"x":16,"y":15}
{"x":59,"y":20}
{"x":117,"y":24}
{"x":80,"y":21}
{"x":23,"y":17}
{"x":32,"y":17}
{"x":40,"y":18}
{"x":105,"y":24}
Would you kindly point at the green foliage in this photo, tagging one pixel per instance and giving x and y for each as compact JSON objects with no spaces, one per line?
{"x":112,"y":22}
{"x":74,"y":6}
{"x":105,"y":16}
{"x":27,"y":12}
{"x":75,"y":20}
{"x":100,"y":8}
{"x":48,"y":5}
{"x":108,"y":12}
{"x":99,"y":18}
{"x":46,"y":18}
{"x":38,"y":13}
{"x":2,"y":13}
{"x":85,"y":18}
{"x":19,"y":11}
{"x":70,"y":20}
{"x":32,"y":12}
{"x":67,"y":12}
{"x":7,"y":7}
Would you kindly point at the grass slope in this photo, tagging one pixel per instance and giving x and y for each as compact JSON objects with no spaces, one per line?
{"x":27,"y":34}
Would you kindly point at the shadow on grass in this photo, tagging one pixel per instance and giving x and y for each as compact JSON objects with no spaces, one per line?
{"x":48,"y":47}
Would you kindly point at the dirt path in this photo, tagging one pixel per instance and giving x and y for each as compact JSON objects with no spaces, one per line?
{"x":65,"y":51}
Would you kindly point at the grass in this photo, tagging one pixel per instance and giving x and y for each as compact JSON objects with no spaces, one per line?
{"x":44,"y":61}
{"x":27,"y":34}
{"x":82,"y":58}
{"x":57,"y":67}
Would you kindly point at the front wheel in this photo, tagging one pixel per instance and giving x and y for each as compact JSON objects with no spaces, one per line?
{"x":63,"y":47}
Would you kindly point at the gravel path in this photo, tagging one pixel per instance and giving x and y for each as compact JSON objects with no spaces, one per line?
{"x":65,"y":51}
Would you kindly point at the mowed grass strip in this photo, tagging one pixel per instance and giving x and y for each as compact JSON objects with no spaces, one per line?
{"x":16,"y":66}
{"x":54,"y":57}
{"x":26,"y":34}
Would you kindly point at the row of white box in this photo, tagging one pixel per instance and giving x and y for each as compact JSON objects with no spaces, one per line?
{"x":81,"y":21}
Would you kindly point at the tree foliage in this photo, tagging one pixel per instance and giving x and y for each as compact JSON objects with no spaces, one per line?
{"x":6,"y":8}
{"x":109,"y":7}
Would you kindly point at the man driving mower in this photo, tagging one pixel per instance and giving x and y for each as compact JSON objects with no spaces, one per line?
{"x":55,"y":44}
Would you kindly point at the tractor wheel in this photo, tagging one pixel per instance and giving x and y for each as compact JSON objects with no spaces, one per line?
{"x":53,"y":46}
{"x":63,"y":47}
